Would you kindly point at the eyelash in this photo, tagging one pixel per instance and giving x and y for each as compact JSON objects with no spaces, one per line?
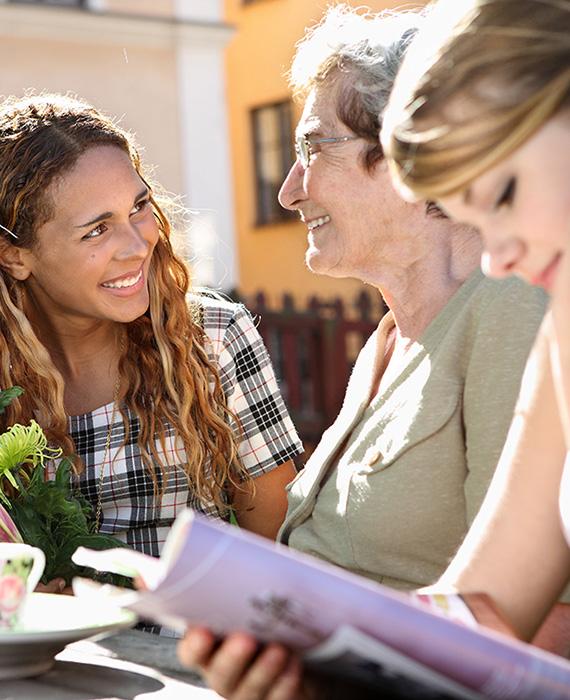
{"x":100,"y":229}
{"x":508,"y":194}
{"x":142,"y":204}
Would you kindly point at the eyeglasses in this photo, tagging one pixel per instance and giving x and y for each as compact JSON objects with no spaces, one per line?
{"x":7,"y":230}
{"x":305,"y":146}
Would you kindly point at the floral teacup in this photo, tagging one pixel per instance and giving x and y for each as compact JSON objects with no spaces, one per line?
{"x":21,"y":567}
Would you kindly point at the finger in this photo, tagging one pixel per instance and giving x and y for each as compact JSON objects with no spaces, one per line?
{"x":196,"y":648}
{"x":260,"y":676}
{"x":230,"y":662}
{"x":288,"y":686}
{"x":56,"y":585}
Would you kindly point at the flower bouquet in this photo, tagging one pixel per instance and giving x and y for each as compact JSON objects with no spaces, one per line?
{"x":42,"y":513}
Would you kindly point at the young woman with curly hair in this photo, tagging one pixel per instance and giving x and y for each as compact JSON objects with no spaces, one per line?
{"x":167,"y":399}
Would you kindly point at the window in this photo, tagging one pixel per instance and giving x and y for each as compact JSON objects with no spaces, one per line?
{"x":64,"y":3}
{"x":273,"y":153}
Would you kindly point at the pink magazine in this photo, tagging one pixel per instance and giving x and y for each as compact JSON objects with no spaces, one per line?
{"x":228,"y":579}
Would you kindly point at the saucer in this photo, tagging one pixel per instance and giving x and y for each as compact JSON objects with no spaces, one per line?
{"x":48,"y":623}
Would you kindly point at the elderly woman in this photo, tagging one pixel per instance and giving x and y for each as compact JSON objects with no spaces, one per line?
{"x":395,"y":482}
{"x":408,"y":460}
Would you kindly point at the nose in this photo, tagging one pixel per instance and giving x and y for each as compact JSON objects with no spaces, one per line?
{"x":133,"y":244}
{"x":292,"y":191}
{"x":502,"y":259}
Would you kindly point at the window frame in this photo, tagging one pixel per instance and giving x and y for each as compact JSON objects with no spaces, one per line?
{"x":81,"y":4}
{"x":265,"y":216}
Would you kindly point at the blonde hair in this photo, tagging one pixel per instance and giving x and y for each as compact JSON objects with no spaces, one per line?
{"x":479,"y":80}
{"x":41,"y":138}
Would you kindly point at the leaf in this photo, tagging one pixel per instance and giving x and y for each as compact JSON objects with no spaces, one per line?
{"x":63,"y":474}
{"x":8,"y":395}
{"x":50,"y":516}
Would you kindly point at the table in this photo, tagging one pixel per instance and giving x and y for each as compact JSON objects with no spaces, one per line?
{"x":130,"y":664}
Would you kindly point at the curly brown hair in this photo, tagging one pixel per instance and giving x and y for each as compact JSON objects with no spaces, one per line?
{"x":41,"y":139}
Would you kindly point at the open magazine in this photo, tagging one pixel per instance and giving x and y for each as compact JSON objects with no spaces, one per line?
{"x":219,"y":576}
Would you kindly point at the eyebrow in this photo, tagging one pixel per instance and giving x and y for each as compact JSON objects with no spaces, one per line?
{"x":107,"y":214}
{"x":308,"y":131}
{"x":315,"y":127}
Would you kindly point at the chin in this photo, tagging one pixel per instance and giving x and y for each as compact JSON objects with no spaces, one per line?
{"x":316,"y":267}
{"x":131,"y":313}
{"x":319,"y":265}
{"x":317,"y":262}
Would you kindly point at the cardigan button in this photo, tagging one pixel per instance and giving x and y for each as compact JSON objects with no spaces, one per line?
{"x":375,"y":456}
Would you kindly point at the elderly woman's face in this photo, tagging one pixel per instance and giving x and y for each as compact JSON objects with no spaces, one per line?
{"x":355,"y":219}
{"x":522,"y":207}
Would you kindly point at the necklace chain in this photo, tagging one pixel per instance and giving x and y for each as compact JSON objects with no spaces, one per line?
{"x":106,"y":454}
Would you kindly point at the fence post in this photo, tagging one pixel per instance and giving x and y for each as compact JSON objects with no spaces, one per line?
{"x":290,"y":355}
{"x":309,"y":351}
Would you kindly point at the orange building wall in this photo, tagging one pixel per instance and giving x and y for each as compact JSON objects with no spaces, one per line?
{"x":271,"y":258}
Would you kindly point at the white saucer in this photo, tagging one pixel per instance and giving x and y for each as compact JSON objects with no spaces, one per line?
{"x":48,"y":623}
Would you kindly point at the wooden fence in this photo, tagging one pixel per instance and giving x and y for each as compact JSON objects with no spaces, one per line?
{"x":313,"y":351}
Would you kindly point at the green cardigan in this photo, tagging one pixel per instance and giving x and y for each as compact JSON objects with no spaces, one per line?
{"x":394,"y":484}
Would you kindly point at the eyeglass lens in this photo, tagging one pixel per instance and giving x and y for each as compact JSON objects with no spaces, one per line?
{"x":302,"y":150}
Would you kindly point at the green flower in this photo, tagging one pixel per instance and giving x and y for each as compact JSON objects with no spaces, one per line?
{"x":22,"y":448}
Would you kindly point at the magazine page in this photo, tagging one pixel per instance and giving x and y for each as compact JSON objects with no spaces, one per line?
{"x":228,"y":579}
{"x":349,"y":653}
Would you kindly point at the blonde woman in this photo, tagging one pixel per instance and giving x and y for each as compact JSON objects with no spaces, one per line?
{"x":167,"y":399}
{"x":490,"y":140}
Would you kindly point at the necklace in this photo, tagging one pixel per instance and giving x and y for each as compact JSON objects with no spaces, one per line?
{"x":106,"y":454}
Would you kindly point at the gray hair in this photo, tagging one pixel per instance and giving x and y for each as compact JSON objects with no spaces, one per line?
{"x":360,"y":53}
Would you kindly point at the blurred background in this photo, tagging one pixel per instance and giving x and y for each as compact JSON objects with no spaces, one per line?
{"x":201,"y":84}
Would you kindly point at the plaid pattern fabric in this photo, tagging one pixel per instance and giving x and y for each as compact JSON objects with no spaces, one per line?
{"x":130,"y":511}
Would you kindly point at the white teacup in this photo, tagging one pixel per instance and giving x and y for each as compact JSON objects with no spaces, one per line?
{"x":21,"y":567}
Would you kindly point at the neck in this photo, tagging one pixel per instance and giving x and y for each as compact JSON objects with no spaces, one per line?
{"x":418,"y":292}
{"x":76,"y":347}
{"x":85,"y":351}
{"x":75,"y":356}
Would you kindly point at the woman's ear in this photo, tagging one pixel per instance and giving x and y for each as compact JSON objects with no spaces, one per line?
{"x":15,"y":261}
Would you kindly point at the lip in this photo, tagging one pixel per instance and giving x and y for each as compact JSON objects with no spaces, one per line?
{"x":126,"y":291}
{"x":324,"y":219}
{"x":547,"y":277}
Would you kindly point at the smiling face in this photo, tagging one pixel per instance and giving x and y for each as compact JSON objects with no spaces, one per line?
{"x":91,"y":259}
{"x":522,"y":207}
{"x":356,"y":222}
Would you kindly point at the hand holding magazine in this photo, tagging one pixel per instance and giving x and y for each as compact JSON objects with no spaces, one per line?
{"x":226,"y":579}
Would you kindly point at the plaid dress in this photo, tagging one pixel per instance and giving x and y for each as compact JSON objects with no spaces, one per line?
{"x":130,"y":510}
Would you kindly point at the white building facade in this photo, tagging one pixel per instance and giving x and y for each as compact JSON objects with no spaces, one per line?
{"x":159,"y":66}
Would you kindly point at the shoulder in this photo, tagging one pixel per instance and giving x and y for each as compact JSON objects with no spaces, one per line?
{"x":504,"y":321}
{"x":217,"y":314}
{"x":489,"y":323}
{"x":229,"y":327}
{"x":511,"y":295}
